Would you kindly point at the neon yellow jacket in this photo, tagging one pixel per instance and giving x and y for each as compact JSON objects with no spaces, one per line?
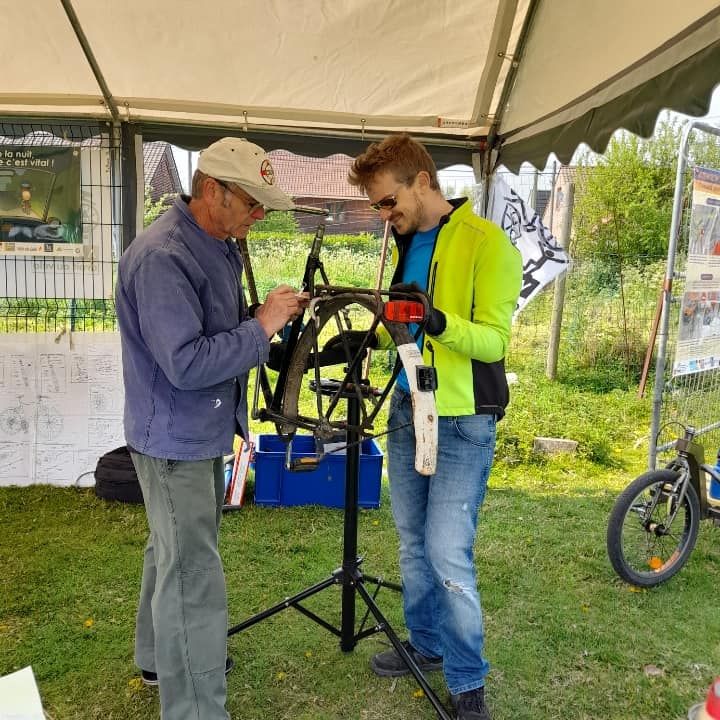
{"x":475,"y":277}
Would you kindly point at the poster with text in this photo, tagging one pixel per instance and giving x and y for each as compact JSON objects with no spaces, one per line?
{"x":62,"y":243}
{"x":698,"y":344}
{"x":40,"y":204}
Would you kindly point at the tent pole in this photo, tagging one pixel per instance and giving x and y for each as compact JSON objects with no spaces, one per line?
{"x":87,"y":50}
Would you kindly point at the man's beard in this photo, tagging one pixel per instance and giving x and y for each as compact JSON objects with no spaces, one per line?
{"x":414,"y":219}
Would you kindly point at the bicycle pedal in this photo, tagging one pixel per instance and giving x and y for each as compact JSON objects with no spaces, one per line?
{"x":304,"y":464}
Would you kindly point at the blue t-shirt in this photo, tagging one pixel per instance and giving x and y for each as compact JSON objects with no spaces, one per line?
{"x":417,"y":268}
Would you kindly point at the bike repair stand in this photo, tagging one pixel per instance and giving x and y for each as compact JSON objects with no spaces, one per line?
{"x":350,"y":576}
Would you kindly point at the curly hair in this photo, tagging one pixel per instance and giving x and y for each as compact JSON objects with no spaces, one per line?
{"x":399,"y":154}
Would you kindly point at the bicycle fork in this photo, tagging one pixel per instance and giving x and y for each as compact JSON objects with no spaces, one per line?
{"x":674,"y":495}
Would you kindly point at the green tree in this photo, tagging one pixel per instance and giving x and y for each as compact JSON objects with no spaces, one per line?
{"x":623,"y":199}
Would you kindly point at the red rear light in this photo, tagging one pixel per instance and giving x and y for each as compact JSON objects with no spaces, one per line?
{"x":404,"y":311}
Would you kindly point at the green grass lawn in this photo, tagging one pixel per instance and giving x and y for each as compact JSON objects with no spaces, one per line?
{"x":566,"y":638}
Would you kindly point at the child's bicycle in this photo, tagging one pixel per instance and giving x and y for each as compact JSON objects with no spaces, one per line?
{"x":654,"y":523}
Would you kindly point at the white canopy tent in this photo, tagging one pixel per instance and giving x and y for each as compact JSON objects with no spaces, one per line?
{"x":516,"y":78}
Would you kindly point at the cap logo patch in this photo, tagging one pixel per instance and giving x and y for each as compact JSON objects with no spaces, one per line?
{"x":267,"y":173}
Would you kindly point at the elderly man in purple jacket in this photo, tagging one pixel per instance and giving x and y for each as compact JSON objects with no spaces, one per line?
{"x":188,"y":344}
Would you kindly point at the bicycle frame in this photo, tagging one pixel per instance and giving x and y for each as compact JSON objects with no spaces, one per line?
{"x":302,"y":343}
{"x":690,"y":462}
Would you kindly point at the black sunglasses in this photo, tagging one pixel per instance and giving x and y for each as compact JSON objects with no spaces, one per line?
{"x":386,"y":203}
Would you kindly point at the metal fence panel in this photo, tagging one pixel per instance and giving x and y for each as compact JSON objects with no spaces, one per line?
{"x":59,"y":226}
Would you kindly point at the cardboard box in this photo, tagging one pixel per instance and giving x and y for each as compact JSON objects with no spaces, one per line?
{"x":274,"y":485}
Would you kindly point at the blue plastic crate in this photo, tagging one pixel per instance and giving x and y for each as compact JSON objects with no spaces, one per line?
{"x":274,"y":485}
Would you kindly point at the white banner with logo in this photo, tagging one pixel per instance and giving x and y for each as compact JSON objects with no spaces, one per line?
{"x":543,"y":258}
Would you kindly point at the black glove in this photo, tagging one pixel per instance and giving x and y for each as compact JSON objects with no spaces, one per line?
{"x":277,"y":353}
{"x":435,"y":322}
{"x":354,"y":340}
{"x":342,"y":348}
{"x":333,"y":352}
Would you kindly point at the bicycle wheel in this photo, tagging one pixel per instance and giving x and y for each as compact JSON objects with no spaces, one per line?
{"x":645,"y":544}
{"x":304,"y":406}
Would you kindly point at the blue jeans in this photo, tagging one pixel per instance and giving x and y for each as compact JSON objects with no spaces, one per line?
{"x":182,"y":619}
{"x":436,"y":519}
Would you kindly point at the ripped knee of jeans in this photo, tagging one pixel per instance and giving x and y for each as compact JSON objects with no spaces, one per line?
{"x":454,"y":587}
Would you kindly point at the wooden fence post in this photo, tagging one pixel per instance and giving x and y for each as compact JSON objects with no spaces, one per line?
{"x":559,"y":297}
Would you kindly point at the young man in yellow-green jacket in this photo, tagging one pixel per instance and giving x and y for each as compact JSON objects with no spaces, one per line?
{"x":472,"y":275}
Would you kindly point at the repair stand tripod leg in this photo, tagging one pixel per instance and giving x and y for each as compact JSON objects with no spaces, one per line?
{"x":350,"y":576}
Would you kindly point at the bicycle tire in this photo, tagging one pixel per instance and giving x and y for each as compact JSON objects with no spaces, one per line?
{"x":641,"y":550}
{"x":331,"y":309}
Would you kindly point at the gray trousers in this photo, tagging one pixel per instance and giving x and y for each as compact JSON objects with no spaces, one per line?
{"x":182,"y":620}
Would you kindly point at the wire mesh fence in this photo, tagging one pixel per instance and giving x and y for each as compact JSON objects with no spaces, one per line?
{"x":60,"y":196}
{"x":611,"y":316}
{"x":606,"y":324}
{"x":691,"y":381}
{"x":60,"y":228}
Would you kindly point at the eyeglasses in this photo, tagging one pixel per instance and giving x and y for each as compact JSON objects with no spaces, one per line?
{"x":253,"y":205}
{"x":386,"y":203}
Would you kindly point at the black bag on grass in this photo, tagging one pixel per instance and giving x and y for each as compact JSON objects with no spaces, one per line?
{"x":115,"y":477}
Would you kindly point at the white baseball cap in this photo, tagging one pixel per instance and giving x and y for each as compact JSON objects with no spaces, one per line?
{"x":235,"y":160}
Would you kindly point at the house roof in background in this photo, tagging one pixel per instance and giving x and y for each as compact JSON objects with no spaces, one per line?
{"x":160,"y":170}
{"x":153,"y":153}
{"x":542,"y":199}
{"x":302,"y":176}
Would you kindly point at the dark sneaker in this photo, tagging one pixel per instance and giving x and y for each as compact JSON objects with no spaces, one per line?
{"x":390,"y":664}
{"x":150,"y":678}
{"x":470,"y":705}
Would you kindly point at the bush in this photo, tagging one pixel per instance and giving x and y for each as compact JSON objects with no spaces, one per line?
{"x":364,"y":242}
{"x":152,"y":209}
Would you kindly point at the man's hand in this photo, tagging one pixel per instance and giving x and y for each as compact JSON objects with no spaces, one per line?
{"x":407,"y":288}
{"x":282,"y":305}
{"x":436,"y":321}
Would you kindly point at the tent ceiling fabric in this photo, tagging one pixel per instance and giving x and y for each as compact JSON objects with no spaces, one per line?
{"x":535,"y":76}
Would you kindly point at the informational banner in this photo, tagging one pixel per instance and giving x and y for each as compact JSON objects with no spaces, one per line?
{"x":61,"y":405}
{"x":40,"y":208}
{"x":698,"y":343}
{"x":543,"y":258}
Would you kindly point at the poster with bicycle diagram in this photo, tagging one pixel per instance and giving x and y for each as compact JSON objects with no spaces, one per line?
{"x":57,"y":223}
{"x":60,"y":405}
{"x":698,"y":343}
